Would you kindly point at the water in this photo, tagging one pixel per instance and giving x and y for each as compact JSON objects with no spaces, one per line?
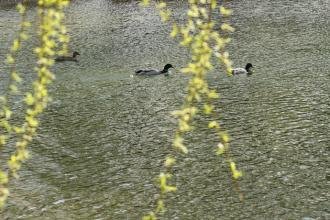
{"x":103,"y":139}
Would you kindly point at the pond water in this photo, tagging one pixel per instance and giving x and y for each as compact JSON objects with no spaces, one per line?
{"x":104,"y":137}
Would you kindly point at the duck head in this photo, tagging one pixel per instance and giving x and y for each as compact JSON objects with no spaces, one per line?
{"x":75,"y":54}
{"x":248,"y":68}
{"x":168,"y":66}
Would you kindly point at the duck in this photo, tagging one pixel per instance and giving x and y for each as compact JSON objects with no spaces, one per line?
{"x":247,"y":70}
{"x":68,"y":58}
{"x":154,"y":72}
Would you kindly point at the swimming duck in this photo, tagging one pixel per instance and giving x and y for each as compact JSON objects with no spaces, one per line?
{"x":152,"y":72}
{"x":68,"y":58}
{"x":247,"y":70}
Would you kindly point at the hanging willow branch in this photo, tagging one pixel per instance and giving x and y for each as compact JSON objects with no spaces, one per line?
{"x":205,"y":38}
{"x":52,"y":34}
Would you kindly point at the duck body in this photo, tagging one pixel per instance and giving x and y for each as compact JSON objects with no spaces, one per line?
{"x":247,"y":70}
{"x":68,"y":58}
{"x":154,"y":72}
{"x":148,"y":72}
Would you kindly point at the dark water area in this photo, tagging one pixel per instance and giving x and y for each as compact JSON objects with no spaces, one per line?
{"x":103,"y":139}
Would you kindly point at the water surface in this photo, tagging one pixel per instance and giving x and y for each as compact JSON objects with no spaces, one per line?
{"x":104,"y":137}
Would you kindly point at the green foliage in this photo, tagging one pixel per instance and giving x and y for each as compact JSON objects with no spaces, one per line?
{"x":206,"y":38}
{"x":52,"y":34}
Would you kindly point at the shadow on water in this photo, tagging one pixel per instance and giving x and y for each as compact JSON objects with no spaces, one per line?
{"x":103,"y":139}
